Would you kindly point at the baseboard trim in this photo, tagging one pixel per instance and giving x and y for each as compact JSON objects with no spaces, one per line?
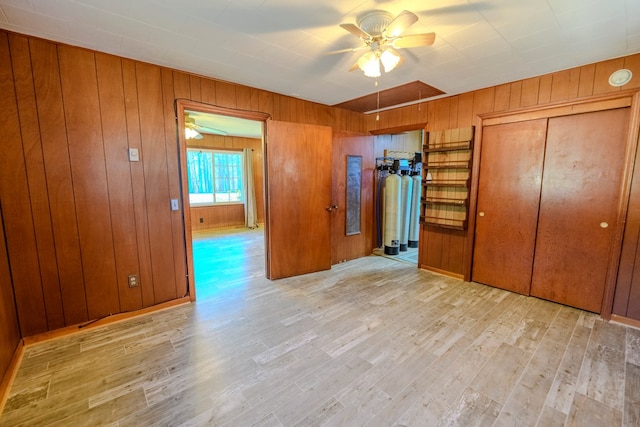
{"x":10,"y":374}
{"x":443,"y":272}
{"x":114,"y":318}
{"x":626,"y":321}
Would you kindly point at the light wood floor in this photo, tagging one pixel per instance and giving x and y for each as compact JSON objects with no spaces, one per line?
{"x":372,"y":342}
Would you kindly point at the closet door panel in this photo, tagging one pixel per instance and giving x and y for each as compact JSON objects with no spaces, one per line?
{"x":578,"y":207}
{"x":508,"y":198}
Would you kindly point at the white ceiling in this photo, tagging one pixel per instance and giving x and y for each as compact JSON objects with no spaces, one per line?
{"x":281,"y":45}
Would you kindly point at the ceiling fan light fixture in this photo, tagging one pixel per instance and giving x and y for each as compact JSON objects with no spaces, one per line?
{"x":389,"y":60}
{"x":192,"y":134}
{"x":370,"y":64}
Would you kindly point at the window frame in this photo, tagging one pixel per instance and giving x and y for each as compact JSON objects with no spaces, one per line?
{"x":241,"y":176}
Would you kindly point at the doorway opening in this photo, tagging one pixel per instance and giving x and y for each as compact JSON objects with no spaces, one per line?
{"x":223,"y":195}
{"x":398,"y":155}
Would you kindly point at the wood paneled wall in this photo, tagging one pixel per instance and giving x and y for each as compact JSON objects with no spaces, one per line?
{"x":79,"y":217}
{"x":230,"y":215}
{"x":9,"y":330}
{"x":442,"y":249}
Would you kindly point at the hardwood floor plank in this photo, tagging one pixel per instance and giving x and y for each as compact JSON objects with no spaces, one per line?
{"x":322,"y":414}
{"x":473,"y":408}
{"x":631,"y":414}
{"x":602,"y":374}
{"x":372,"y":342}
{"x":427,"y":411}
{"x":588,"y":412}
{"x":312,"y":398}
{"x":561,"y":395}
{"x":501,"y":373}
{"x":526,"y":402}
{"x":633,"y":346}
{"x":551,"y":418}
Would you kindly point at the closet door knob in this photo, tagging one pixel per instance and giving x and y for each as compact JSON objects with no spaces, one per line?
{"x":604,"y":224}
{"x":480,"y":213}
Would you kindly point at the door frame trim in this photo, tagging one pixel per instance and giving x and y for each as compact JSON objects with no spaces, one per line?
{"x":179,"y":106}
{"x":620,"y":99}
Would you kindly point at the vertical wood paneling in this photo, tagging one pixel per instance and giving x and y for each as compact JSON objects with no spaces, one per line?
{"x":502,"y":98}
{"x":114,"y":134}
{"x":465,"y":110}
{"x":182,"y":85}
{"x":46,"y":77}
{"x":544,"y":94}
{"x":52,"y":218}
{"x":225,"y":94}
{"x":530,"y":89}
{"x":214,"y":217}
{"x":150,"y":105}
{"x":560,"y":86}
{"x":266,"y":102}
{"x":173,"y":170}
{"x":130,"y":90}
{"x":195,"y":85}
{"x":9,"y":329}
{"x":243,"y":98}
{"x":483,"y":101}
{"x":441,"y":118}
{"x":89,"y":175}
{"x":633,"y":63}
{"x":208,"y":91}
{"x":574,"y":83}
{"x":255,"y":99}
{"x":453,"y":111}
{"x":14,"y":196}
{"x":432,"y":248}
{"x":587,"y":75}
{"x":515,"y":95}
{"x":38,"y":193}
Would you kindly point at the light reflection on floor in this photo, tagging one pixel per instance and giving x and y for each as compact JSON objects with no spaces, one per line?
{"x":225,"y":260}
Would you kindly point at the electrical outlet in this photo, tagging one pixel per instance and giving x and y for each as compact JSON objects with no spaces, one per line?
{"x":133,"y":280}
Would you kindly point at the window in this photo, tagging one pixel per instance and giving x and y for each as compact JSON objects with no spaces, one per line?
{"x":215,"y":177}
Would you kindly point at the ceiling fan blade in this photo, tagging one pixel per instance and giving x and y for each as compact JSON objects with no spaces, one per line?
{"x":354,"y":66}
{"x":356,"y":31}
{"x":400,"y":24}
{"x":213,"y":131}
{"x":414,"y":40}
{"x":351,"y":49}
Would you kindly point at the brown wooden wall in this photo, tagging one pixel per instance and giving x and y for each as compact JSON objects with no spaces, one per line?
{"x":443,"y":249}
{"x":9,"y":330}
{"x":79,"y":217}
{"x":229,"y":215}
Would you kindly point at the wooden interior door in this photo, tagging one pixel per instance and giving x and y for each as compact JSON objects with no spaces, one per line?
{"x":298,"y":193}
{"x":346,"y":247}
{"x":578,"y":209}
{"x":511,"y":164}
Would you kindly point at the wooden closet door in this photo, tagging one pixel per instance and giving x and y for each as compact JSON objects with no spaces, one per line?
{"x":508,"y":199}
{"x":578,"y":208}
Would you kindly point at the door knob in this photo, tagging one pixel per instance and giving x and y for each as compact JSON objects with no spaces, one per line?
{"x":604,"y":224}
{"x":480,"y":213}
{"x":330,"y":208}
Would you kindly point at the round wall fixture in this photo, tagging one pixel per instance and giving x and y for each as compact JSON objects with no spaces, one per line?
{"x":620,"y":77}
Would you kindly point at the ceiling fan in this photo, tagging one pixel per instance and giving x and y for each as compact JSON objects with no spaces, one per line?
{"x":195,"y":131}
{"x":382,"y":34}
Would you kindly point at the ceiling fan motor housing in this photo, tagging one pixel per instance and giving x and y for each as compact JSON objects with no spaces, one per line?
{"x":375,"y":22}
